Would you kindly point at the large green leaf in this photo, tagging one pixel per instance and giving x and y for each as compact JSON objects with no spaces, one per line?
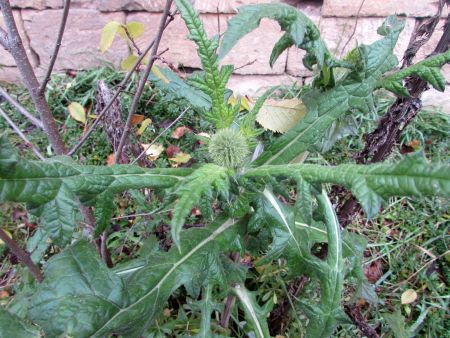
{"x":51,"y":188}
{"x":81,"y":297}
{"x":13,"y":326}
{"x":413,"y":176}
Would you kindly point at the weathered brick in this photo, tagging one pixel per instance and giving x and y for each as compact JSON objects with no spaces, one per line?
{"x":255,"y":85}
{"x":436,"y":99}
{"x":131,"y":5}
{"x":52,"y":4}
{"x":203,"y":6}
{"x":80,"y":45}
{"x":255,"y":48}
{"x":10,"y":75}
{"x":346,"y":8}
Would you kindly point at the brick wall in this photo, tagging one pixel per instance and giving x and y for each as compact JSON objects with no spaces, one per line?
{"x":38,"y":22}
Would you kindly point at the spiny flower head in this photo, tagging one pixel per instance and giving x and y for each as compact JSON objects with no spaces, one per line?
{"x":228,"y":148}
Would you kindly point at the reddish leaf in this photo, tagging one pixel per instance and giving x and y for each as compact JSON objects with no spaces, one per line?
{"x":136,"y":119}
{"x":172,"y":150}
{"x":373,"y":272}
{"x":110,"y":160}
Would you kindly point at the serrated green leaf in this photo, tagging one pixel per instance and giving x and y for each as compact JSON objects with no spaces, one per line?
{"x":428,"y":70}
{"x":13,"y":326}
{"x":216,"y":79}
{"x":104,"y":208}
{"x":201,"y":183}
{"x":397,"y":324}
{"x":372,"y":183}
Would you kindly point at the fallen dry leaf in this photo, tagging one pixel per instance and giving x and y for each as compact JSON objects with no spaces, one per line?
{"x":110,"y":160}
{"x":172,"y":150}
{"x":153,"y":151}
{"x":136,"y":119}
{"x":180,"y":158}
{"x":280,"y":116}
{"x":180,"y":131}
{"x":373,"y":272}
{"x":409,"y":296}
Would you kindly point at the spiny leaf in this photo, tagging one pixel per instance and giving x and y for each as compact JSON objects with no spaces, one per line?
{"x":428,"y":70}
{"x":202,"y":182}
{"x":372,"y":183}
{"x":300,"y":31}
{"x":215,"y":81}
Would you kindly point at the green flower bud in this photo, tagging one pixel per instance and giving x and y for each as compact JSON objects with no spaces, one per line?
{"x":228,"y":148}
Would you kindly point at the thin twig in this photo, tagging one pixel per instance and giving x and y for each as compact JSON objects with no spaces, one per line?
{"x":354,"y":312}
{"x":143,"y":81}
{"x":246,"y":64}
{"x":354,"y":28}
{"x":62,"y":27}
{"x":120,"y":89}
{"x":29,"y":79}
{"x":22,"y":135}
{"x":4,"y":39}
{"x":20,"y":108}
{"x":22,"y":255}
{"x":160,"y":134}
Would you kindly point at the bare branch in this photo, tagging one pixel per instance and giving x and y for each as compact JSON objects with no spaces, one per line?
{"x":120,"y":89}
{"x":22,"y":135}
{"x":22,"y":255}
{"x":4,"y":39}
{"x":160,"y":134}
{"x":62,"y":27}
{"x":29,"y":79}
{"x":20,"y":108}
{"x":143,"y":80}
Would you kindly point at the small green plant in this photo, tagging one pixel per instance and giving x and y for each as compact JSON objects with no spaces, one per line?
{"x":80,"y":296}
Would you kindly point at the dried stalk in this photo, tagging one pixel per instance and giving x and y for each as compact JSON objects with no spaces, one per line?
{"x":143,"y":80}
{"x":21,"y":135}
{"x":20,"y":108}
{"x":62,"y":27}
{"x":22,"y":255}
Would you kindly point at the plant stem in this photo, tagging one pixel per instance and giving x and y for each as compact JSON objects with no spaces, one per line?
{"x":21,"y":109}
{"x":22,"y":255}
{"x":29,"y":79}
{"x":143,"y":80}
{"x":21,"y":135}
{"x":62,"y":27}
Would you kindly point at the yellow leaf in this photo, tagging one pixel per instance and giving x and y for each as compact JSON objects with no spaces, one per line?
{"x":409,"y":296}
{"x":135,"y":29}
{"x":233,"y":100}
{"x":128,"y":63}
{"x":9,"y":235}
{"x":245,"y":105}
{"x":144,"y":126}
{"x":159,"y":74}
{"x":153,"y":151}
{"x":108,"y":34}
{"x":181,"y":158}
{"x":280,"y":116}
{"x":77,"y":111}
